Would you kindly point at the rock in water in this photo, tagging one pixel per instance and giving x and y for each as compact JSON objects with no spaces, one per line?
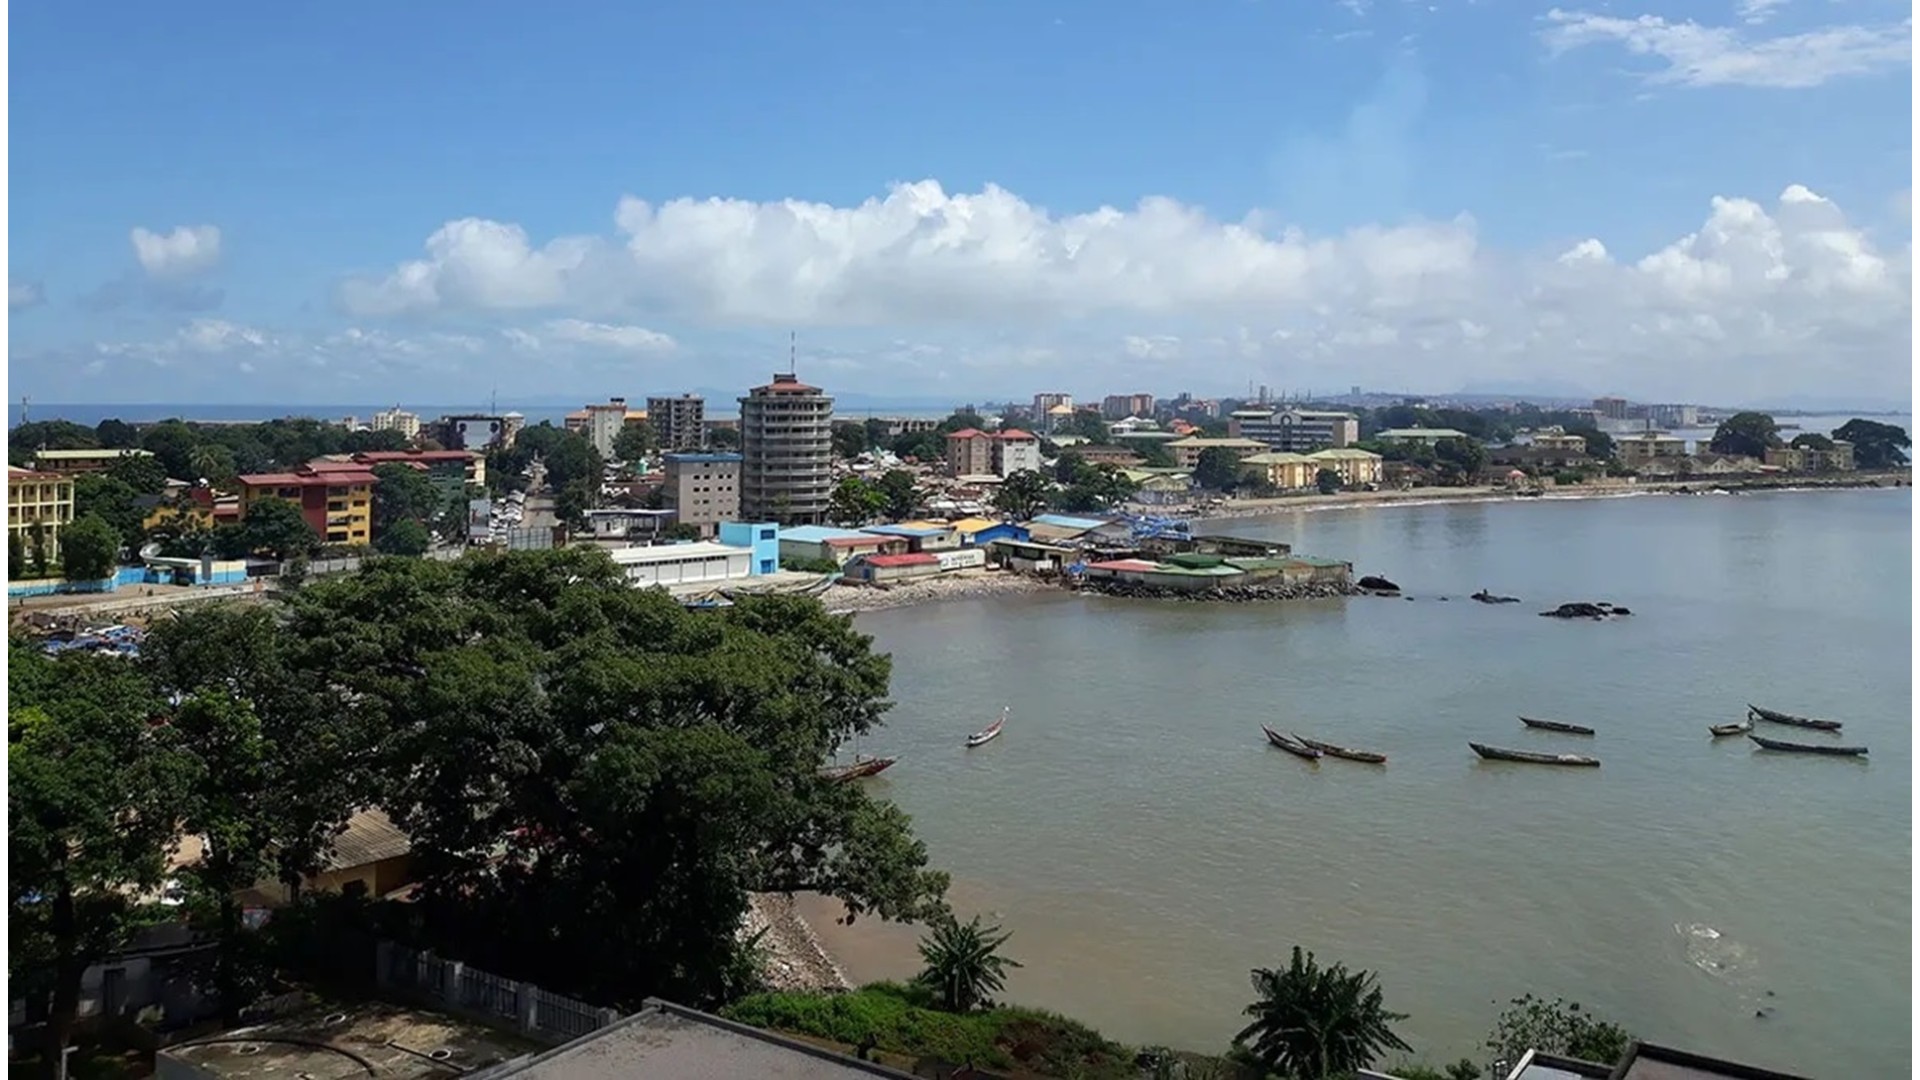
{"x":1375,"y":583}
{"x":1582,"y":610}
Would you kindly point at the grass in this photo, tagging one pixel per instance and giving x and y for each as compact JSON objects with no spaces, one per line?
{"x":898,"y":1021}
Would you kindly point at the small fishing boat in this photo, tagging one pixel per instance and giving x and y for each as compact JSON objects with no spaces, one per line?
{"x":859,"y":770}
{"x":1791,"y":720}
{"x":1808,"y":748}
{"x":1721,"y":731}
{"x":1331,"y":750}
{"x":1555,"y":725}
{"x":1291,"y":747}
{"x":990,"y":732}
{"x":1495,"y":753}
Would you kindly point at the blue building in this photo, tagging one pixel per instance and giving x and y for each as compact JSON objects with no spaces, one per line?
{"x":763,"y":538}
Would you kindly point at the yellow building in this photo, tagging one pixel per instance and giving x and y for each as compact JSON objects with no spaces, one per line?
{"x":335,"y":498}
{"x":1282,"y":470}
{"x":1644,"y":447}
{"x":1186,"y":452}
{"x":1355,"y":467}
{"x":38,"y":502}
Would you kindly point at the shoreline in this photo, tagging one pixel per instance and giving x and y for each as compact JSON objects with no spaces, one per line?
{"x":965,"y":585}
{"x":792,"y":956}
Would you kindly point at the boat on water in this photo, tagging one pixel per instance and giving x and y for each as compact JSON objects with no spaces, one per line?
{"x":1808,"y":748}
{"x":990,"y":732}
{"x":859,"y":770}
{"x":1495,"y":753}
{"x":1296,"y":749}
{"x":1721,"y":731}
{"x":1555,"y":725}
{"x":1774,"y":717}
{"x":1331,"y":750}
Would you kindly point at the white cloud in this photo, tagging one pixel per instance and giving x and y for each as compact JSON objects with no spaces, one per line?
{"x":24,"y":294}
{"x":1755,"y":12}
{"x":1690,"y":54}
{"x":187,"y":251}
{"x":624,"y":338}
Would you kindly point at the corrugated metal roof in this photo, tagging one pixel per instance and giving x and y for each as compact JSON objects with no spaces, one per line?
{"x":1196,"y":571}
{"x":370,"y":837}
{"x":918,"y":558}
{"x":1124,"y":564}
{"x":907,"y":530}
{"x":813,"y":534}
{"x":1062,"y":521}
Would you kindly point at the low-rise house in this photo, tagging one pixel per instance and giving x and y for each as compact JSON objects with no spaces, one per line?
{"x":1643,"y":447}
{"x":1420,"y":436}
{"x":82,"y":461}
{"x":1555,"y":438}
{"x":702,"y":562}
{"x":826,"y":543}
{"x":919,"y":536}
{"x":1101,"y":454}
{"x":1355,"y":467}
{"x":1186,"y":452}
{"x":1280,"y":469}
{"x":1810,"y":459}
{"x":761,"y":539}
{"x":627,"y":524}
{"x":887,"y":569}
{"x":1032,"y":556}
{"x":979,"y":532}
{"x":1062,"y":528}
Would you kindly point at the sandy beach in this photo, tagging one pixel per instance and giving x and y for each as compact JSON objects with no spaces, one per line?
{"x":794,"y":957}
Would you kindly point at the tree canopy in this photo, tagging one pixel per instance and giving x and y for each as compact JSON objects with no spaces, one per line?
{"x":1876,"y":445}
{"x":855,"y":502}
{"x":1218,"y":469}
{"x":1315,"y":1023}
{"x":902,"y":492}
{"x":89,"y":549}
{"x":276,"y":526}
{"x":1747,"y":434}
{"x":1022,"y":495}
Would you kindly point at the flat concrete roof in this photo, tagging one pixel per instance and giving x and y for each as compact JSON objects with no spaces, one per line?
{"x":703,"y":549}
{"x":358,"y":1041}
{"x":669,"y":1042}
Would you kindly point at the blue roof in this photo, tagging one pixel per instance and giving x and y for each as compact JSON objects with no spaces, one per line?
{"x":905,"y":530}
{"x":1062,"y":521}
{"x":708,"y":459}
{"x":813,"y":534}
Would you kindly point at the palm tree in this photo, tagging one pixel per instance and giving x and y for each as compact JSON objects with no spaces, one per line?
{"x":964,"y":964}
{"x":1313,"y":1023}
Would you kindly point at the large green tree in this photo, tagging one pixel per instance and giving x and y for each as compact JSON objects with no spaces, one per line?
{"x":595,"y":777}
{"x":902,"y":492}
{"x":402,"y":493}
{"x":92,"y":799}
{"x":635,"y":441}
{"x":1747,"y":434}
{"x":849,"y":439}
{"x":276,"y":526}
{"x":855,"y":502}
{"x":1876,"y":445}
{"x":964,"y":965}
{"x":113,"y":501}
{"x":1315,"y":1023}
{"x":1218,"y":469}
{"x":89,"y":549}
{"x":1555,"y":1027}
{"x":1022,"y":495}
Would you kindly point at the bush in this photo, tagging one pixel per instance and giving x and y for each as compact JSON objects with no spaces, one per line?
{"x":810,"y":566}
{"x":1556,"y":1027}
{"x":1568,"y":476}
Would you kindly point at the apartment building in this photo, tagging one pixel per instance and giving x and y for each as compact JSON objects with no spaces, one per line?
{"x":1047,"y":402}
{"x":786,"y":448}
{"x":679,"y":423}
{"x":1015,"y":451}
{"x":1646,"y":447}
{"x":452,"y":471}
{"x":1186,"y":452}
{"x":82,"y":461}
{"x":406,"y":423}
{"x":336,"y":498}
{"x":969,"y":452}
{"x":1121,"y":406}
{"x":1809,"y":459}
{"x":602,"y":423}
{"x":702,"y":490}
{"x":1298,"y":431}
{"x":1611,"y":408}
{"x":39,"y":505}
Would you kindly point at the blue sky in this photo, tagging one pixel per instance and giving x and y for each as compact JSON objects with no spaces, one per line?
{"x":1394,"y":194}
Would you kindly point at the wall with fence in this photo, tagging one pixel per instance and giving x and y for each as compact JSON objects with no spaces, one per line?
{"x":449,"y":984}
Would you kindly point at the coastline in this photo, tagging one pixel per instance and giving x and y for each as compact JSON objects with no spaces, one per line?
{"x":792,"y":956}
{"x":965,"y":585}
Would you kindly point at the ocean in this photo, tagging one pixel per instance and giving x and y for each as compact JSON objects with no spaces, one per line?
{"x":1147,"y":848}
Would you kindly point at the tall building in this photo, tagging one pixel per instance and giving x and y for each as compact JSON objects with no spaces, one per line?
{"x":1015,"y":451}
{"x":969,"y":452}
{"x":1044,"y":402}
{"x":1297,"y":431}
{"x":1121,"y":406}
{"x":786,"y":449}
{"x":702,"y":490}
{"x":680,"y":423}
{"x":406,"y":423}
{"x":39,"y":505}
{"x":1611,"y":408}
{"x":602,"y":423}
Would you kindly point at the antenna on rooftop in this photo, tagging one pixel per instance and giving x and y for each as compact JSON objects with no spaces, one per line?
{"x":24,"y":399}
{"x":793,"y":348}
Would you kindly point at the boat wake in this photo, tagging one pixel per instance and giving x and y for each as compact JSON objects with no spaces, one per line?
{"x":1717,"y":955}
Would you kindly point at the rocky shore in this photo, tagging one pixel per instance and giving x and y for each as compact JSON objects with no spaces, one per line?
{"x":793,"y":957}
{"x":1232,"y":594}
{"x":844,"y":599}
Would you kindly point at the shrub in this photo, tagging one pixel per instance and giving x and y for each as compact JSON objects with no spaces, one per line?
{"x":1556,"y":1027}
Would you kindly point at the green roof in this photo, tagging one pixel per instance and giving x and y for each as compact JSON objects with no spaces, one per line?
{"x":1195,"y":560}
{"x":1262,"y":563}
{"x":1315,"y":561}
{"x":1195,"y":571}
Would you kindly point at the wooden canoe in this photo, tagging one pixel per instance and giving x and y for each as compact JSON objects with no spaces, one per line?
{"x":1771,"y":716}
{"x":1808,"y":748}
{"x":1291,"y":747}
{"x":859,"y":770}
{"x":1495,"y":753}
{"x":1331,"y":750}
{"x":1555,"y":725}
{"x":1723,"y":730}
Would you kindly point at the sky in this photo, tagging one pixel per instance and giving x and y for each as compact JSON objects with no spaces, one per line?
{"x":230,"y":202}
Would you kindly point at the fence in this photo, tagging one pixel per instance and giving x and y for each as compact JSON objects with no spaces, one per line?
{"x":452,"y":985}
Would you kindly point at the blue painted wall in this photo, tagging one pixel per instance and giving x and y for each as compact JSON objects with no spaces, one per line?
{"x":762,"y":537}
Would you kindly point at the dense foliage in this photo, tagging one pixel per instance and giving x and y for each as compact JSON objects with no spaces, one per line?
{"x":1876,"y":445}
{"x":188,"y":451}
{"x":1315,"y":1023}
{"x":964,"y":965}
{"x":1747,"y":434}
{"x":1555,"y":1027}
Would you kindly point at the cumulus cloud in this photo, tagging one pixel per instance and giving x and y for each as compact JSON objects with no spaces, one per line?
{"x":22,"y":295}
{"x":1689,"y":54}
{"x":187,"y":251}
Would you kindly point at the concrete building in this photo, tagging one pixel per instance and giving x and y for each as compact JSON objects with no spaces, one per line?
{"x":1299,"y":431}
{"x":761,"y":539}
{"x":679,"y":423}
{"x":452,"y":471}
{"x":623,"y":525}
{"x":1355,"y":467}
{"x":1612,"y":408}
{"x":1674,"y":416}
{"x":1644,"y":447}
{"x":1186,"y":452}
{"x":1045,"y":403}
{"x":1808,"y":459}
{"x":702,"y":490}
{"x":786,"y":445}
{"x":406,"y":423}
{"x":1557,"y":439}
{"x":1121,"y":406}
{"x":969,"y":452}
{"x":603,"y":423}
{"x":1015,"y":451}
{"x":1280,"y":469}
{"x":823,"y":543}
{"x":920,"y":536}
{"x":1420,"y":436}
{"x":886,"y":569}
{"x":82,"y":461}
{"x":337,"y":502}
{"x":683,"y":564}
{"x":39,"y":505}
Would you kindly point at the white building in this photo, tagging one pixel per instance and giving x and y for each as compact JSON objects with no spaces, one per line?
{"x":394,"y":419}
{"x":1298,"y":431}
{"x":1015,"y":451}
{"x":683,"y":564}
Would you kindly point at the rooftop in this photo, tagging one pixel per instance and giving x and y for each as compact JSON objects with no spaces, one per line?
{"x":669,"y":1042}
{"x":661,"y":553}
{"x":309,"y":478}
{"x":373,"y":1040}
{"x":1422,"y":433}
{"x":919,"y":558}
{"x":968,"y":433}
{"x":381,"y":457}
{"x":706,"y":459}
{"x":89,"y":455}
{"x":816,"y":534}
{"x":919,"y":532}
{"x":1231,"y":444}
{"x":1015,"y":435}
{"x":785,"y":383}
{"x":1062,"y":521}
{"x":1349,"y":453}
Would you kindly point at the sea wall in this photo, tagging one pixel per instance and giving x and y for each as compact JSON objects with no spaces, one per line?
{"x":1293,"y":590}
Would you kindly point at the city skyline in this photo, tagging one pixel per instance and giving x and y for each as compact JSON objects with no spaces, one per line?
{"x":1431,"y":197}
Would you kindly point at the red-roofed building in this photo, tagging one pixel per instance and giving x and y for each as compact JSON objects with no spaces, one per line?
{"x":881,"y":569}
{"x":969,"y":452}
{"x":453,"y":469}
{"x":335,"y":499}
{"x":1015,"y":451}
